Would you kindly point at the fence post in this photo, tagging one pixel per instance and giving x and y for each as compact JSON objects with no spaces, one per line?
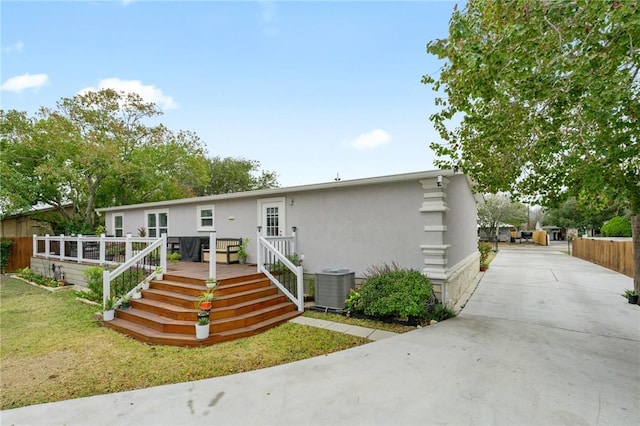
{"x":300,"y":289}
{"x":102,"y":249}
{"x":127,"y":248}
{"x":62,"y":241}
{"x":35,"y":245}
{"x":163,"y":254}
{"x":212,"y":255}
{"x":106,"y":287}
{"x":294,"y":249}
{"x":46,"y":245}
{"x":259,"y":249}
{"x":80,"y":249}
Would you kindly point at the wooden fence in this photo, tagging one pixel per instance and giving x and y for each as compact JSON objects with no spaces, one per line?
{"x":540,"y":237}
{"x":614,"y":255}
{"x":21,"y":252}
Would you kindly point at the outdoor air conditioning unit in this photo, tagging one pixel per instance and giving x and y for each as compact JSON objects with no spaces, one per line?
{"x":332,"y":288}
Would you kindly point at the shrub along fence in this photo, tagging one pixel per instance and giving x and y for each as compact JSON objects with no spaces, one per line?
{"x":612,"y":254}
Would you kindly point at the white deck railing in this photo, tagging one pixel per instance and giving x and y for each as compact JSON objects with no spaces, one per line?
{"x":138,"y":262}
{"x":272,"y":261}
{"x":101,"y":250}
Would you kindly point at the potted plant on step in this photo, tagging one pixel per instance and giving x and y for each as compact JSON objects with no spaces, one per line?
{"x":137,"y":294}
{"x":242,"y":251}
{"x":205,"y":301}
{"x":109,"y":309}
{"x":202,"y":326}
{"x":632,"y":296}
{"x":125,"y":302}
{"x":159,"y":274}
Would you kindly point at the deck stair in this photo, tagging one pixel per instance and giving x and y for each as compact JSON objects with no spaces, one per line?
{"x":166,"y":313}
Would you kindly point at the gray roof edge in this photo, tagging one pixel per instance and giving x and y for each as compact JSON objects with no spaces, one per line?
{"x":288,"y":190}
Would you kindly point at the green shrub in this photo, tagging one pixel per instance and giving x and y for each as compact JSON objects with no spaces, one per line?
{"x":5,"y":252}
{"x":616,"y":227}
{"x":484,"y":249}
{"x":441,"y":312}
{"x":354,"y":302}
{"x":26,"y":273}
{"x":399,"y":294}
{"x":94,"y":282}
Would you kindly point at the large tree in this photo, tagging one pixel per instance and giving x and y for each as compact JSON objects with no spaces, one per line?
{"x":95,"y":150}
{"x":541,"y":98}
{"x":228,"y":175}
{"x":499,"y":209}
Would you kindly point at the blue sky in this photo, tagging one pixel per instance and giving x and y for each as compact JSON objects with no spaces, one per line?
{"x":309,"y":89}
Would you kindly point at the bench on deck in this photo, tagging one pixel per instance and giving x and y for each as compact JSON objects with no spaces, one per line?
{"x":226,"y":250}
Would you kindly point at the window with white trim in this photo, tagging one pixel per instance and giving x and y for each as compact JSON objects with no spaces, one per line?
{"x":118,"y":225}
{"x":157,"y":223}
{"x":206,"y":220}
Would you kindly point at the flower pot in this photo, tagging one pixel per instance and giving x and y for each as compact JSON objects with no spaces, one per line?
{"x":159,"y":277}
{"x":633,"y":298}
{"x":137,"y":295}
{"x":202,"y":331}
{"x":205,"y":306}
{"x":242,"y":260}
{"x":109,"y":315}
{"x":211,"y":284}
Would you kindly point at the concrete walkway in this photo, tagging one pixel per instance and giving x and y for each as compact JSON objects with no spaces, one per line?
{"x":353,"y":330}
{"x":546,"y":339}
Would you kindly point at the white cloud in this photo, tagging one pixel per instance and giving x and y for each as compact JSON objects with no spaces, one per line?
{"x":149,"y":93}
{"x":373,"y":139}
{"x":17,"y":47}
{"x":26,"y":81}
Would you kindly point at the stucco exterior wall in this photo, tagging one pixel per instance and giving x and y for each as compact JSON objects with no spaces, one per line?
{"x":408,"y":219}
{"x":461,"y":220}
{"x":357,"y":227}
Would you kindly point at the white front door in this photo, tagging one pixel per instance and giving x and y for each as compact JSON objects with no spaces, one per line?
{"x":272,"y":217}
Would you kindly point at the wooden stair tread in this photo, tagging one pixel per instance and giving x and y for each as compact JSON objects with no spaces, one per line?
{"x":162,"y":319}
{"x":152,"y":336}
{"x":166,"y":314}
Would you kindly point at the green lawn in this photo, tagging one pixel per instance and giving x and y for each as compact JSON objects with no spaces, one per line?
{"x":51,"y":349}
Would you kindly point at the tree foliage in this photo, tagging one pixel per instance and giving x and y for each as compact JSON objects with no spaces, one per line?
{"x":228,"y":175}
{"x":572,"y":214}
{"x":617,"y":227}
{"x":546,"y":99}
{"x":97,"y":149}
{"x":500,"y":209}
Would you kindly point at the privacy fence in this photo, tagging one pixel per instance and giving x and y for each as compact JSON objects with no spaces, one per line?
{"x":614,"y":255}
{"x":21,"y":251}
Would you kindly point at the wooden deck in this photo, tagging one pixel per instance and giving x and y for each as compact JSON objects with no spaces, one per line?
{"x":200,"y":270}
{"x":246,"y":303}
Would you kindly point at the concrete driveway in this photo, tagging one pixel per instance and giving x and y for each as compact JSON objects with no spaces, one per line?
{"x":545,"y":339}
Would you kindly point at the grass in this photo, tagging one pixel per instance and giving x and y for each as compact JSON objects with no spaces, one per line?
{"x":378,"y":325}
{"x":52,"y":349}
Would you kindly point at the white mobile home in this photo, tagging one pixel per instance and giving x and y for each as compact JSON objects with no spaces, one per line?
{"x":425,"y":221}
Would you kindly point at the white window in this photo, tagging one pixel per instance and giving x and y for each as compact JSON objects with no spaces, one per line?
{"x":206,"y":220}
{"x":118,"y":225}
{"x":157,"y":223}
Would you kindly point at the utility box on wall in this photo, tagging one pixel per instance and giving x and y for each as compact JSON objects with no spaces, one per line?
{"x":333,"y":287}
